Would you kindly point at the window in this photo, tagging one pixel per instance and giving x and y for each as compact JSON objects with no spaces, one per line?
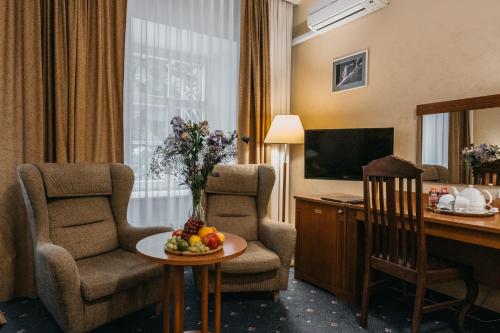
{"x":181,"y":59}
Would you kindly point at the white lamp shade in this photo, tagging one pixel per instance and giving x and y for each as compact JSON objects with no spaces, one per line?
{"x":285,"y":129}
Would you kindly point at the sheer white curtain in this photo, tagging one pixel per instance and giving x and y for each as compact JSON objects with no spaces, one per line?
{"x":435,"y":133}
{"x":181,"y":59}
{"x":280,"y":41}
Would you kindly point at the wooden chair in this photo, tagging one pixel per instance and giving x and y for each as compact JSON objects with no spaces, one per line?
{"x":395,"y":238}
{"x":487,"y":173}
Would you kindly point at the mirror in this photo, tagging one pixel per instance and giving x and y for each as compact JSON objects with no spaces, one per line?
{"x":461,"y":146}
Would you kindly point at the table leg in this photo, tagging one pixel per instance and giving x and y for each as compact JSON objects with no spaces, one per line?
{"x":166,"y":301}
{"x":217,"y":299}
{"x":179,"y":299}
{"x":204,"y":299}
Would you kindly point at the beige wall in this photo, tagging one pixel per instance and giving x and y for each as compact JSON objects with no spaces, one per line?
{"x":419,"y":52}
{"x":486,"y":126}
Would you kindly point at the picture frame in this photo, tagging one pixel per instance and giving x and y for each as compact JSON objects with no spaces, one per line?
{"x":350,"y":72}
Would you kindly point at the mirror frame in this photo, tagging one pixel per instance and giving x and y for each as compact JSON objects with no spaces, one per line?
{"x":457,"y":105}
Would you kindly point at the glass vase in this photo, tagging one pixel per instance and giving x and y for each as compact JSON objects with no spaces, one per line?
{"x":197,"y":212}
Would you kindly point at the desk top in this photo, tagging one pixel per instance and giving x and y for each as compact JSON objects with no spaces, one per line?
{"x":152,"y":248}
{"x":484,"y":231}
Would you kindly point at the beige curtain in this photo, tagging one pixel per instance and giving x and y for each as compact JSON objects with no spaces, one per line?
{"x":254,"y":117}
{"x":459,"y":138}
{"x":280,"y":55}
{"x":83,"y":43}
{"x":21,"y":135}
{"x":61,"y":78}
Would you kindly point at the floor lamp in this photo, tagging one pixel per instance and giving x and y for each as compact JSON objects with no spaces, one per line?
{"x":285,"y":129}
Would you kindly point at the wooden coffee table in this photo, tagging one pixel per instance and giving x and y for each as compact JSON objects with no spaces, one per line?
{"x":152,"y":248}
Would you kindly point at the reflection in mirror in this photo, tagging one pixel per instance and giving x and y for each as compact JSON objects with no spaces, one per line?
{"x":461,"y":147}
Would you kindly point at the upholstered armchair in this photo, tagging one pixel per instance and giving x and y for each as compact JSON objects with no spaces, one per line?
{"x":236,"y":201}
{"x":87,"y":272}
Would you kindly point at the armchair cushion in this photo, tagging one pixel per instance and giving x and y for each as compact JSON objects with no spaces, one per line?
{"x":84,"y":226}
{"x":231,"y":180}
{"x":236,"y":214}
{"x":70,"y":180}
{"x":115,"y":271}
{"x":256,"y":259}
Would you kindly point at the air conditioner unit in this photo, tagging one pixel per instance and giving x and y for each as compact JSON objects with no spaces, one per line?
{"x":328,"y":14}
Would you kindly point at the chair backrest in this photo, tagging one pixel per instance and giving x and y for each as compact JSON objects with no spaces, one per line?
{"x":394,"y":221}
{"x":487,"y":173}
{"x":237,"y":198}
{"x":71,"y":206}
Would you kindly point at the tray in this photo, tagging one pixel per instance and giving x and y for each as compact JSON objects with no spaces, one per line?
{"x":449,"y":212}
{"x":193,"y":254}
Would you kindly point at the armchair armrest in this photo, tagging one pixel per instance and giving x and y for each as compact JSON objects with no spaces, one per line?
{"x":280,"y":238}
{"x":58,"y":284}
{"x":129,"y":235}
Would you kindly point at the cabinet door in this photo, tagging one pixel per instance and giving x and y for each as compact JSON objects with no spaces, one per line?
{"x":316,"y":258}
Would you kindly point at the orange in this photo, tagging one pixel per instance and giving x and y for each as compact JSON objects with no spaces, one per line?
{"x":204,"y":231}
{"x":214,"y":229}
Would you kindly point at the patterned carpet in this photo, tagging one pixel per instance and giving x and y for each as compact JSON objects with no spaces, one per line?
{"x":303,"y":308}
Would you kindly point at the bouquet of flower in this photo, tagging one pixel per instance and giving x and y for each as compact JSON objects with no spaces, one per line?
{"x":474,"y":156}
{"x":190,"y":153}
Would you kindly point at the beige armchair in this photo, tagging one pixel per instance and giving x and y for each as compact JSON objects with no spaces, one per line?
{"x":87,"y":272}
{"x":236,"y":201}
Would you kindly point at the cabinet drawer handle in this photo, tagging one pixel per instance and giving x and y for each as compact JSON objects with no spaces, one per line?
{"x":318,"y":211}
{"x":340,"y":211}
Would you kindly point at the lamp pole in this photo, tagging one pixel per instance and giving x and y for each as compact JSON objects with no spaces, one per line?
{"x":283,"y":204}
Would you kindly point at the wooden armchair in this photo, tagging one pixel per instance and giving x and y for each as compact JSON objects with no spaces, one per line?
{"x":395,"y":241}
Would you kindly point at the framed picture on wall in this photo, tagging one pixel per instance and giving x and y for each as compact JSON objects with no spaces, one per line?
{"x":350,"y":71}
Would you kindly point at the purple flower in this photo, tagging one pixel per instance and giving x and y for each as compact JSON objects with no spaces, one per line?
{"x":178,"y":126}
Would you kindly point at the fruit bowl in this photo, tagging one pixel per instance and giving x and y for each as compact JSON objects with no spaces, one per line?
{"x":192,"y":241}
{"x":189,"y":253}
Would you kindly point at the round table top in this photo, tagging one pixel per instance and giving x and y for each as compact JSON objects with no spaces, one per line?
{"x":153,"y":248}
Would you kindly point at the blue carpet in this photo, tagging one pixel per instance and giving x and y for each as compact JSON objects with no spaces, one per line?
{"x":302,"y":308}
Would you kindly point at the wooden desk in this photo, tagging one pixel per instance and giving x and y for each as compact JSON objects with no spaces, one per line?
{"x":471,"y":240}
{"x":482,"y":231}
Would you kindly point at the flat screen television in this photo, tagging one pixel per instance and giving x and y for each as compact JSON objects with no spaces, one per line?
{"x":341,"y":153}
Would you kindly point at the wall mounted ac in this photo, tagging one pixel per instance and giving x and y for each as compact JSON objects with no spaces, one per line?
{"x":326,"y":15}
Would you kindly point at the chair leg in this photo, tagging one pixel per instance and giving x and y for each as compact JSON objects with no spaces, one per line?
{"x":417,"y":308}
{"x":365,"y":301}
{"x":470,"y":298}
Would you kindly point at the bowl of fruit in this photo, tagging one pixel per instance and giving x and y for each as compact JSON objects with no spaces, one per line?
{"x":205,"y":241}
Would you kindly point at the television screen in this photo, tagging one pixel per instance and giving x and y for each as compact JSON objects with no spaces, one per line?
{"x":341,"y":153}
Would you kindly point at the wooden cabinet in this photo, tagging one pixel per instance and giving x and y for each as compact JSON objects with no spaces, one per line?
{"x":327,"y":253}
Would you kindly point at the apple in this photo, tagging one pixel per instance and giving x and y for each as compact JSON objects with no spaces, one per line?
{"x":211,"y":240}
{"x":178,"y":232}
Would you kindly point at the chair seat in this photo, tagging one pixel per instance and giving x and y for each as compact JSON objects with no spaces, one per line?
{"x":438,"y":269}
{"x":256,"y":259}
{"x":115,"y":271}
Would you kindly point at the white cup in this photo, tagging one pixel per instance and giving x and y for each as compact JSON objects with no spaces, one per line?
{"x":446,"y":202}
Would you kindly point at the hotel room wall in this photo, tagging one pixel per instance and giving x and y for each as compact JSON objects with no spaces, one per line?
{"x":419,"y":52}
